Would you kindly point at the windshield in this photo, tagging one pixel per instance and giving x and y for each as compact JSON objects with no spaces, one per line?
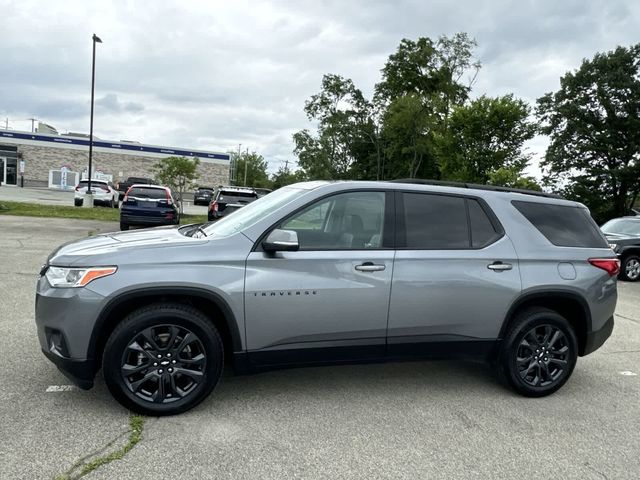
{"x":145,"y":192}
{"x":622,"y":226}
{"x":247,"y":216}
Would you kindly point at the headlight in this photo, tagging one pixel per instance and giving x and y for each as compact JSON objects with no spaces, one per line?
{"x":613,"y":246}
{"x":76,"y":277}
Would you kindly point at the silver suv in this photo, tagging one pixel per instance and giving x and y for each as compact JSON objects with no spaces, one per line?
{"x":322,"y":272}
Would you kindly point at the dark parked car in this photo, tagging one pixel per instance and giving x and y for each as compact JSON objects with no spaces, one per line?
{"x":123,"y":186}
{"x":624,"y":237}
{"x":148,"y":206}
{"x":229,"y":199}
{"x":203,"y":196}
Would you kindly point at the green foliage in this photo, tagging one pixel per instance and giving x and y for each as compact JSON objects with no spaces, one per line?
{"x":177,"y":173}
{"x":252,"y":167}
{"x":593,"y":121}
{"x":484,"y":142}
{"x":285,"y":176}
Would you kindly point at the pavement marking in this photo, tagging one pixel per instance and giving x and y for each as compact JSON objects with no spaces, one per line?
{"x":61,"y":388}
{"x":628,"y":373}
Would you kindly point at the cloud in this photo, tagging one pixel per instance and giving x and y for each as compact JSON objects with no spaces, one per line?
{"x":205,"y":74}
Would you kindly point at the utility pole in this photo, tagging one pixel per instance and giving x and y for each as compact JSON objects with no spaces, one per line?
{"x":33,"y":124}
{"x":246,"y":157}
{"x":6,"y":123}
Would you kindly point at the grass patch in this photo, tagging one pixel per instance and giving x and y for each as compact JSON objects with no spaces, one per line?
{"x":62,"y":211}
{"x":91,"y":462}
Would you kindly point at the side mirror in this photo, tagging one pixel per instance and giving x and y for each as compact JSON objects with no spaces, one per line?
{"x":281,"y":241}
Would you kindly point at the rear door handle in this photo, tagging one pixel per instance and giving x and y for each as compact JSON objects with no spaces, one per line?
{"x":370,"y":267}
{"x":499,"y":266}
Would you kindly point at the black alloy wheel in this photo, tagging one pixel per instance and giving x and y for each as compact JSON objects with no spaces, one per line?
{"x":163,"y":359}
{"x":538,"y":352}
{"x":163,"y":364}
{"x":542,"y":356}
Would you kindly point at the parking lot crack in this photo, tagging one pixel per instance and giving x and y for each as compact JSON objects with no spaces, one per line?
{"x":103,"y":455}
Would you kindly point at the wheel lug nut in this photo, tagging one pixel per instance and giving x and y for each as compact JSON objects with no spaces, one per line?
{"x":155,"y":364}
{"x":173,"y":361}
{"x":159,"y":356}
{"x":168,"y":355}
{"x":169,"y":369}
{"x":160,"y":371}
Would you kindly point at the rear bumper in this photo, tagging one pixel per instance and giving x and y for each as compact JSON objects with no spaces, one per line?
{"x":597,"y":338}
{"x":150,"y":221}
{"x":80,"y":372}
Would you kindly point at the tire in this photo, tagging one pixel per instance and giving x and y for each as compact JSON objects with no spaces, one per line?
{"x":124,"y":226}
{"x":114,"y":203}
{"x":110,"y":205}
{"x":189,"y":365}
{"x":630,"y":268}
{"x":546,"y":364}
{"x":77,"y":202}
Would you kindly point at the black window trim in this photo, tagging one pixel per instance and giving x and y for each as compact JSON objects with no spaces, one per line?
{"x":388,"y":223}
{"x":401,"y":229}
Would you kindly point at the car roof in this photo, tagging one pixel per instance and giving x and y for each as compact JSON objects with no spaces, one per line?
{"x":146,"y":185}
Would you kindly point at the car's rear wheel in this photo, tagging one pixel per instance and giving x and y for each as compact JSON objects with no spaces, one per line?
{"x":163,"y":359}
{"x":124,"y":226}
{"x":538,"y":353}
{"x":630,"y":268}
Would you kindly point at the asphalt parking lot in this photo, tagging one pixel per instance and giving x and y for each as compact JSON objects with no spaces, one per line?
{"x":411,"y":420}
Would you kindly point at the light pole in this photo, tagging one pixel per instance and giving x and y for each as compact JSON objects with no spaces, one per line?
{"x":88,"y":201}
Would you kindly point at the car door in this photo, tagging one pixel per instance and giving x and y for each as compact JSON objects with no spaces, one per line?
{"x":329,"y":300}
{"x":455,"y":276}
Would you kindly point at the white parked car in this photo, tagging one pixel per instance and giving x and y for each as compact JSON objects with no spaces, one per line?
{"x":104,"y":193}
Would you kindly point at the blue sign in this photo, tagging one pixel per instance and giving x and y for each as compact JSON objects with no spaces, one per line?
{"x":133,"y":147}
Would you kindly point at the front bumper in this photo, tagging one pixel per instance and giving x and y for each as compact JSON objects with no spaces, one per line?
{"x":597,"y":338}
{"x":65,"y":318}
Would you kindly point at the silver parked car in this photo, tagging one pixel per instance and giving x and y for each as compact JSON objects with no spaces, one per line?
{"x":322,"y":272}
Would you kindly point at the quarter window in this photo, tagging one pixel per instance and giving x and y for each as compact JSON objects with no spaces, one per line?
{"x":482,"y":230}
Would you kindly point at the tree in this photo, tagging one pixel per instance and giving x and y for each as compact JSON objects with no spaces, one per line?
{"x":593,"y":121}
{"x":484,"y":142}
{"x":251,"y":167}
{"x":345,"y":133}
{"x":177,"y":173}
{"x":284,"y":176}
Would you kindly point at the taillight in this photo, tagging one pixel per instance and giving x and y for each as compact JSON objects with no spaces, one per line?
{"x":126,"y":194}
{"x":166,"y":192}
{"x":213,"y":207}
{"x":609,"y":265}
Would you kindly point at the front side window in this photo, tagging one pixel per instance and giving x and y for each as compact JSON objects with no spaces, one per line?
{"x":346,"y":221}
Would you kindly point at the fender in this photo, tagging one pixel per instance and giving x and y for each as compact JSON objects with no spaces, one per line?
{"x":545,"y":293}
{"x":229,"y":317}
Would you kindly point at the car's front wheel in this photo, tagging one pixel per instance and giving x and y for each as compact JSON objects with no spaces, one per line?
{"x":630,"y":268}
{"x":538,"y":353}
{"x":163,"y":359}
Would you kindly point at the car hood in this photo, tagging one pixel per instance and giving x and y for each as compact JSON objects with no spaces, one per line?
{"x":109,"y":246}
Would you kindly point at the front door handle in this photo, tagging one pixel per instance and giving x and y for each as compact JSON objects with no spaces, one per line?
{"x":370,"y":267}
{"x":499,"y":266}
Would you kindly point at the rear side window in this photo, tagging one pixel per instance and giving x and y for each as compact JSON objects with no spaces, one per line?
{"x":563,"y":226}
{"x":483,"y":231}
{"x":151,"y":193}
{"x":435,"y":222}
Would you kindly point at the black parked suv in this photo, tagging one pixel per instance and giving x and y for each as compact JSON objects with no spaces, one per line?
{"x":229,"y":199}
{"x":203,"y":196}
{"x":624,"y":237}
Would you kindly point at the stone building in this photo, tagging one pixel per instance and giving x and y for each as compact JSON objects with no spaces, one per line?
{"x":60,"y":161}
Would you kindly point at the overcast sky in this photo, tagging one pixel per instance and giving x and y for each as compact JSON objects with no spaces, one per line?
{"x":212,"y":74}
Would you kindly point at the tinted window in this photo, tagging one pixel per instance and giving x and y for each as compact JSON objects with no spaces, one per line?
{"x":347,"y":221}
{"x":435,"y":221}
{"x":482,"y":230}
{"x":145,"y":192}
{"x":563,"y":226}
{"x":236,"y":197}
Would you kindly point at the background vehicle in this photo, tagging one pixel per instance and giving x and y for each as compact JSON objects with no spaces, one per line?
{"x":148,"y":205}
{"x":203,"y":196}
{"x":262,"y":192}
{"x":103,"y":193}
{"x":623,"y":235}
{"x":124,"y":185}
{"x":320,"y":272}
{"x":229,"y":199}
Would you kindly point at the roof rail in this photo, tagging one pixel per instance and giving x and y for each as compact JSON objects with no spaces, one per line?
{"x":494,"y":188}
